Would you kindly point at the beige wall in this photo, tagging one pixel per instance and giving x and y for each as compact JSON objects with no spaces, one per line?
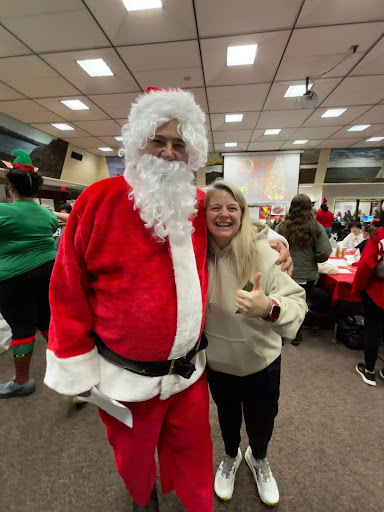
{"x":201,"y":180}
{"x":355,"y":190}
{"x":91,"y":168}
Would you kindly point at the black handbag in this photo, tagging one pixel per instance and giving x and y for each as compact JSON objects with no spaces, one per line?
{"x":350,"y":332}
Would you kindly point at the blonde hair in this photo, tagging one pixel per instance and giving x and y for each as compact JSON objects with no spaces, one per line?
{"x":243,"y":241}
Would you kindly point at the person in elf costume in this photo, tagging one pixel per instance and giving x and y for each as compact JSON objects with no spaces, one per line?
{"x":128,"y":297}
{"x":27,"y":254}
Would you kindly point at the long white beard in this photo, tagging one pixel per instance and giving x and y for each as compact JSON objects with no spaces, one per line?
{"x":164,"y":194}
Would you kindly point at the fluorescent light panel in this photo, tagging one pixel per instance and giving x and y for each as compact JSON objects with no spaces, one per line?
{"x":334,"y":112}
{"x":95,"y":67}
{"x":274,"y":131}
{"x":375,"y":139}
{"x":301,"y":141}
{"x":105,"y":149}
{"x":233,"y":118}
{"x":62,"y":126}
{"x":141,"y":5}
{"x":119,"y":138}
{"x":296,"y":90}
{"x":74,"y":104}
{"x":241,"y":55}
{"x":358,"y":127}
{"x":230,"y":144}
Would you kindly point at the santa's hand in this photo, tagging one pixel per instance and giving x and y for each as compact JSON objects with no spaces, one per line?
{"x":253,"y":304}
{"x":285,"y":259}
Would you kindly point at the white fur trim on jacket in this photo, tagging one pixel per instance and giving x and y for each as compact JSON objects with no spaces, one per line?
{"x":72,"y":375}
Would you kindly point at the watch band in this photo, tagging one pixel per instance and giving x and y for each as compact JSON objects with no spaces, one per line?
{"x":273,"y":307}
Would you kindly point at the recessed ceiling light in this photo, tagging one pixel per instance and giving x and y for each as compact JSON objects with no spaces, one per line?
{"x":334,"y":112}
{"x":62,"y":126}
{"x":375,"y":139}
{"x":233,"y":118}
{"x":95,"y":67}
{"x":105,"y":149}
{"x":141,"y":5}
{"x":119,"y":138}
{"x":272,"y":132}
{"x":230,"y":144}
{"x":301,"y":141}
{"x":358,"y":127}
{"x":74,"y":104}
{"x":241,"y":55}
{"x":296,"y":90}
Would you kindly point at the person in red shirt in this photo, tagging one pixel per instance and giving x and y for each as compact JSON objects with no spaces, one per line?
{"x":325,"y":217}
{"x":369,"y":283}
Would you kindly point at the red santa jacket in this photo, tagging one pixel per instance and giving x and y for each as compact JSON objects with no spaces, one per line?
{"x":114,"y":278}
{"x":366,"y":278}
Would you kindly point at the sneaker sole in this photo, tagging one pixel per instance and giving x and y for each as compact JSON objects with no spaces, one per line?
{"x":233,"y":487}
{"x":369,"y":382}
{"x":250,"y":465}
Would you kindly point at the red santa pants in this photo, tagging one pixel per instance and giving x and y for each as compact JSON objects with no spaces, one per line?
{"x":179,"y":427}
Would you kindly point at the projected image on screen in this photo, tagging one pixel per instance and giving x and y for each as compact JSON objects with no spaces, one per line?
{"x":263,"y":177}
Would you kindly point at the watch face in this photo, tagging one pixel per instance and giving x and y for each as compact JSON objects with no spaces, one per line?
{"x":275,"y":312}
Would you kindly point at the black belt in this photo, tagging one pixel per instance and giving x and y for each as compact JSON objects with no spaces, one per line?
{"x":179,"y":366}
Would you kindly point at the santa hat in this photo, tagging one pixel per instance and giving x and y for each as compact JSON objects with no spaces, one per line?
{"x":155,"y":108}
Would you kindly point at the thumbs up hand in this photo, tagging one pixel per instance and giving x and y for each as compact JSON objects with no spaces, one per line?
{"x":253,"y":304}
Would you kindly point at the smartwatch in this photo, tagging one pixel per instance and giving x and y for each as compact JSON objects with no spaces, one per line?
{"x":273,"y":311}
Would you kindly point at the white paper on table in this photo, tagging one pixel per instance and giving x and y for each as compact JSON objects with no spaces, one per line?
{"x":338,"y":262}
{"x":344,"y":271}
{"x":109,"y":405}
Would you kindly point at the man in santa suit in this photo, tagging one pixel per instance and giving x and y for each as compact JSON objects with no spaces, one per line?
{"x":128,"y":297}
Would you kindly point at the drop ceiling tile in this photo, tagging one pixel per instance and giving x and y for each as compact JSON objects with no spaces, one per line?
{"x":351,"y":114}
{"x":12,"y":9}
{"x":357,"y":90}
{"x":218,"y":18}
{"x":336,"y":143}
{"x":65,"y":63}
{"x":285,"y":134}
{"x":220,"y":148}
{"x":200,"y":97}
{"x":121,"y":122}
{"x":55,"y":105}
{"x":374,"y":115}
{"x":59,"y":134}
{"x":364,"y":144}
{"x":316,"y":133}
{"x":105,"y":154}
{"x":277,"y":101}
{"x":10,"y":46}
{"x":84,"y":142}
{"x":170,"y":78}
{"x":58,"y":31}
{"x":283,"y":118}
{"x":249,"y":122}
{"x":239,"y":98}
{"x":270,"y":47}
{"x":116,"y":105}
{"x":6,"y":93}
{"x":28,"y":111}
{"x":232,"y":136}
{"x":373,"y":62}
{"x":368,"y":132}
{"x":174,"y":22}
{"x":265,"y":145}
{"x":111,"y":142}
{"x":100,"y":128}
{"x":309,"y":145}
{"x":331,"y":12}
{"x":211,"y":148}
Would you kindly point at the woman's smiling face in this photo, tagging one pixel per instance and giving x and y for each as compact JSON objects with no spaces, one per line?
{"x":223,"y":216}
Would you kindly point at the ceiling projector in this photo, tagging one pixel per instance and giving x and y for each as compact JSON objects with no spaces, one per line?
{"x":308,"y":100}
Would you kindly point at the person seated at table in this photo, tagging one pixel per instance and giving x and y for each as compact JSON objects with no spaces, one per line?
{"x":369,"y":281}
{"x":309,"y":245}
{"x":354,"y":237}
{"x":366,"y":234}
{"x":251,"y":304}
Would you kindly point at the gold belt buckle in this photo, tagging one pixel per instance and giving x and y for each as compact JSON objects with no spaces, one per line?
{"x":173,"y":364}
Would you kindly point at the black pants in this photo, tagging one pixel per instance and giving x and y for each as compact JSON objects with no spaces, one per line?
{"x":374,"y":331}
{"x":257,"y":395}
{"x":24,"y":301}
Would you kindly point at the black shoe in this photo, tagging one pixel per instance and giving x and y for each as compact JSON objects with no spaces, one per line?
{"x":298,"y":339}
{"x":381,"y":373}
{"x":153,"y":505}
{"x":368,"y":378}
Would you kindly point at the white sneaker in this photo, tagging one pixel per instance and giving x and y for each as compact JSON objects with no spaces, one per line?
{"x":265,"y":481}
{"x":225,"y":475}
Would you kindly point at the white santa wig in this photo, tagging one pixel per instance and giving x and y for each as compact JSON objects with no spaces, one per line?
{"x":155,"y":108}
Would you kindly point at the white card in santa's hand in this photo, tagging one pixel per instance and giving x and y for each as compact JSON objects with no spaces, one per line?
{"x":112,"y":407}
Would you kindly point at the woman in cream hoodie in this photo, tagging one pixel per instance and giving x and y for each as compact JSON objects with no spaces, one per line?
{"x":251,"y":305}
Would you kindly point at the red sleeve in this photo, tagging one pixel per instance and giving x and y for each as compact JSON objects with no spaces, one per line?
{"x":367,"y":264}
